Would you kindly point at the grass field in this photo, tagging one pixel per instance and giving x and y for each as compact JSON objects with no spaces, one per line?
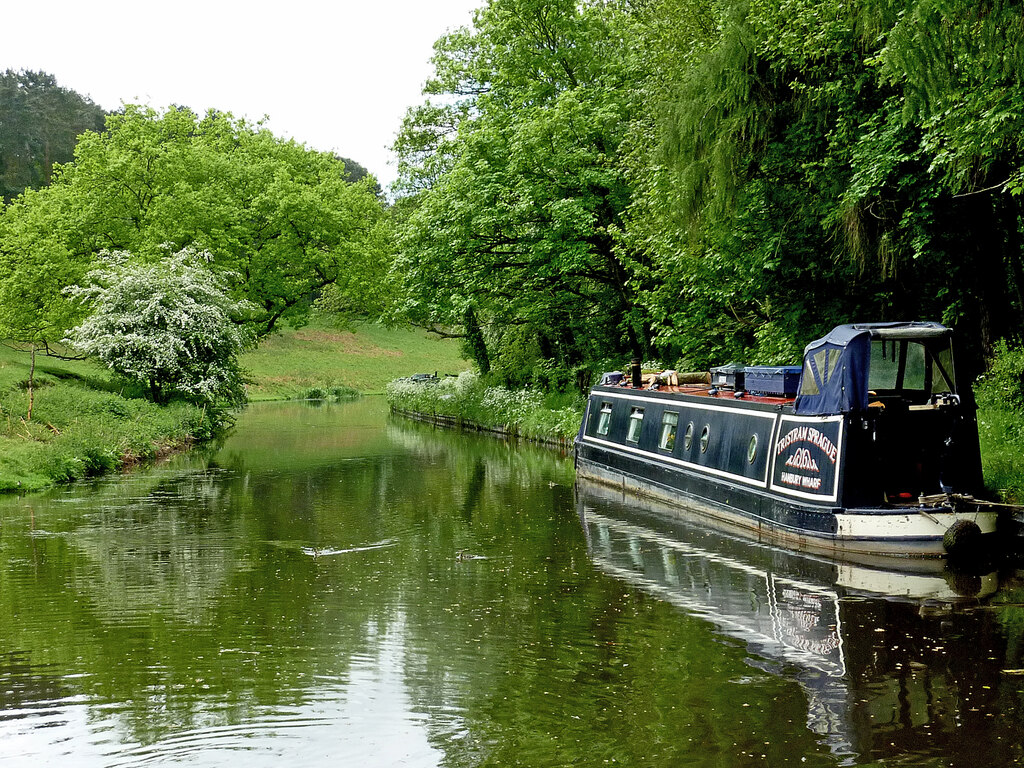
{"x":83,"y":426}
{"x":289,"y":363}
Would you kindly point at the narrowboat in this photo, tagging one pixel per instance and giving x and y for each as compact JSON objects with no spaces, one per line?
{"x":868,"y":447}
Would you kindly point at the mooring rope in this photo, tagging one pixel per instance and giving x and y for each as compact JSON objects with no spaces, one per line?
{"x":950,"y":499}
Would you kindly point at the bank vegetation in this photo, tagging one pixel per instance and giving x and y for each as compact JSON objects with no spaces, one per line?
{"x":467,"y":402}
{"x":697,"y":182}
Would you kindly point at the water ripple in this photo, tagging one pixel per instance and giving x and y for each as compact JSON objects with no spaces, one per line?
{"x":299,"y":738}
{"x":327,"y":551}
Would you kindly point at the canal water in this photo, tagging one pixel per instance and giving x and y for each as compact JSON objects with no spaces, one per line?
{"x":337,"y":587}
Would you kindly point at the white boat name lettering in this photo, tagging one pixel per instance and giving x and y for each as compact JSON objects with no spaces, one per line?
{"x":801,"y":481}
{"x":808,"y":435}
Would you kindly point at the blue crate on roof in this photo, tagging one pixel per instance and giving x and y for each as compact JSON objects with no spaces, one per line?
{"x":780,"y":380}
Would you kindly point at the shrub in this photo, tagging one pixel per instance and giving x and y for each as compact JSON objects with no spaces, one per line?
{"x":466,"y":397}
{"x":335,"y":393}
{"x":1002,"y":386}
{"x":170,"y":327}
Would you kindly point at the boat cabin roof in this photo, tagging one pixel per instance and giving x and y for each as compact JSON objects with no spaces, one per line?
{"x":842,"y":334}
{"x":707,"y":391}
{"x":857,"y":366}
{"x":850,"y":366}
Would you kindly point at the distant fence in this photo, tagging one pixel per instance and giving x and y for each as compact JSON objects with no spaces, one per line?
{"x":456,"y":422}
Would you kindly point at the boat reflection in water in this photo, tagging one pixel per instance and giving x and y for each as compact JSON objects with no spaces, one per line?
{"x":893,"y":662}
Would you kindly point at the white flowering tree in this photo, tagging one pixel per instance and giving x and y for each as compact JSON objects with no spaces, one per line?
{"x":169,"y":326}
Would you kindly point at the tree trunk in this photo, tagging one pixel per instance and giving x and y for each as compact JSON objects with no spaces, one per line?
{"x":475,"y":341}
{"x":31,"y":383}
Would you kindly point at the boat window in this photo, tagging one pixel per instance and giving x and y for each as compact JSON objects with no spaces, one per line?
{"x":898,"y":364}
{"x":808,"y":386}
{"x":826,"y":361}
{"x":832,"y":358}
{"x":688,"y":437}
{"x":669,"y":424}
{"x":885,"y":365}
{"x":705,"y":437}
{"x":636,"y":421}
{"x":604,"y":419}
{"x":942,"y":370}
{"x":752,"y":449}
{"x":913,"y":376}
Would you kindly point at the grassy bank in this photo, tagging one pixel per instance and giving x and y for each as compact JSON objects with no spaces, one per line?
{"x":1001,"y":433}
{"x":1000,"y":396}
{"x":82,"y":425}
{"x":524,"y":413}
{"x":290,"y":364}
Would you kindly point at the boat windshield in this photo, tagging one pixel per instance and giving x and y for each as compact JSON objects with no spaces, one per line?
{"x":913,"y":368}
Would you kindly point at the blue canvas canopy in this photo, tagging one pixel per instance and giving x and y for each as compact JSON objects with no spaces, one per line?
{"x":834,"y":378}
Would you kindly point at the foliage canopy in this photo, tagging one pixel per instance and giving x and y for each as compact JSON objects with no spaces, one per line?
{"x":706,"y":181}
{"x":39,"y":124}
{"x":520,"y":190}
{"x":281,"y":220}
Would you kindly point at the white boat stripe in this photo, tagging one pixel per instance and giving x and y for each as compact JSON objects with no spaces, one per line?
{"x":680,"y":403}
{"x":647,"y":456}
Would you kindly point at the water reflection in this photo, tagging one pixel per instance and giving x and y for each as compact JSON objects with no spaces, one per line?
{"x":332,"y":585}
{"x":895,"y":662}
{"x":283,"y":596}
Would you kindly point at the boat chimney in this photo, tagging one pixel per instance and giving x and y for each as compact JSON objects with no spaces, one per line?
{"x":638,"y":378}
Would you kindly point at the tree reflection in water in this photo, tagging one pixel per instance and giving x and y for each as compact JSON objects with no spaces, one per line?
{"x":334,"y":585}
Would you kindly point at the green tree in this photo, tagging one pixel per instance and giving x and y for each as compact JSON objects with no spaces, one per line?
{"x":708,"y":181}
{"x":39,"y":124}
{"x":279,"y":217}
{"x":951,"y":218}
{"x":34,"y":313}
{"x":515,"y":165}
{"x":817,"y":162}
{"x":752,"y":148}
{"x":355,"y":172}
{"x":170,"y":327}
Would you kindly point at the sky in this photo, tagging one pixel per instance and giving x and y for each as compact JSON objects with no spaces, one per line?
{"x":337,"y":76}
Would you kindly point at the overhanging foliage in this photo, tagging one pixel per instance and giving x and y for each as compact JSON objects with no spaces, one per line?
{"x":710,"y":181}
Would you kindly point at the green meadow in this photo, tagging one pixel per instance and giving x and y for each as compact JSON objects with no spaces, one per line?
{"x":82,"y":423}
{"x":288,"y":365}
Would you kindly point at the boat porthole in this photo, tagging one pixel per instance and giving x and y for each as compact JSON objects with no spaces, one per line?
{"x":688,"y":437}
{"x":752,"y":449}
{"x":705,"y":435}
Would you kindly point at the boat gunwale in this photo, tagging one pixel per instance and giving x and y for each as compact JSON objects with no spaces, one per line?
{"x":699,"y":395}
{"x":800,"y":538}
